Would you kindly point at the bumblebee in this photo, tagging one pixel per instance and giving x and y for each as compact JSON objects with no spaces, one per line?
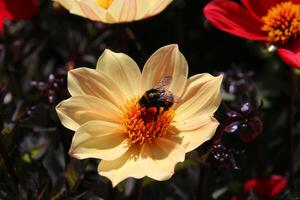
{"x":158,"y":98}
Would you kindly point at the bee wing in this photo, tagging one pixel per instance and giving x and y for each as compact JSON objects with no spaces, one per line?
{"x":165,"y":81}
{"x":176,"y":99}
{"x":170,"y":97}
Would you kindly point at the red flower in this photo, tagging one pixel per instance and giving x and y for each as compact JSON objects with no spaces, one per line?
{"x":266,"y":188}
{"x":17,"y":9}
{"x":275,"y":22}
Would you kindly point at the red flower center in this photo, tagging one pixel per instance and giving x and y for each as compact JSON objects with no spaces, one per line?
{"x":145,"y":124}
{"x":282,"y":23}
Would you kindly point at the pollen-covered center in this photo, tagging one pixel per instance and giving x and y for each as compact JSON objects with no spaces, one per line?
{"x":104,"y":3}
{"x":144,"y":124}
{"x":282,"y":23}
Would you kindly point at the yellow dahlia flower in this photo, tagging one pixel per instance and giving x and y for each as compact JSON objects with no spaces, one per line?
{"x":110,"y":124}
{"x":115,"y":11}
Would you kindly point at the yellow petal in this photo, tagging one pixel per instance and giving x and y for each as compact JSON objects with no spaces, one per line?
{"x":192,"y":123}
{"x":128,"y":10}
{"x":202,"y":96}
{"x":166,"y":61}
{"x":158,"y":6}
{"x":123,"y":10}
{"x":67,"y":4}
{"x":123,"y":167}
{"x":92,"y":10}
{"x":78,"y":110}
{"x":84,"y":81}
{"x":122,"y":70}
{"x":99,"y":139}
{"x":72,"y":6}
{"x":159,"y":159}
{"x":193,"y":138}
{"x":114,"y":11}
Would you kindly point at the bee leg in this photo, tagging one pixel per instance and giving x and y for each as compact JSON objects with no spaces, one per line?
{"x":157,"y":113}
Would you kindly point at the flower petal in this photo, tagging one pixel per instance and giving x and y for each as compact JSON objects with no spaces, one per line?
{"x":291,"y":54}
{"x":92,"y":10}
{"x":72,"y":6}
{"x":192,"y":123}
{"x":158,"y":159}
{"x":78,"y":110}
{"x":67,"y":4}
{"x":202,"y":96}
{"x":123,"y":10}
{"x":129,"y":10}
{"x":166,"y":61}
{"x":260,"y":7}
{"x":99,"y":139}
{"x":234,"y":19}
{"x":4,"y":14}
{"x":191,"y":139}
{"x":123,"y":167}
{"x":158,"y":6}
{"x":122,"y":70}
{"x":84,"y":81}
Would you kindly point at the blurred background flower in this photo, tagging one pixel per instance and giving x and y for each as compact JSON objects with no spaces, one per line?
{"x":274,"y":22}
{"x":264,"y":188}
{"x":115,"y":11}
{"x":17,"y":10}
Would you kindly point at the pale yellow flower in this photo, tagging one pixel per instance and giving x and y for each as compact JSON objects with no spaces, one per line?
{"x":111,"y":125}
{"x":115,"y":11}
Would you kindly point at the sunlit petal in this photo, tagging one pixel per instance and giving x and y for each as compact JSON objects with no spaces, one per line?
{"x":158,"y":6}
{"x":99,"y":139}
{"x":123,"y":167}
{"x":166,"y":61}
{"x":122,"y":70}
{"x":159,"y":159}
{"x":91,"y":10}
{"x":233,"y":18}
{"x":116,"y":11}
{"x":84,"y":81}
{"x":78,"y":110}
{"x":291,"y":54}
{"x":193,"y":138}
{"x":202,"y":96}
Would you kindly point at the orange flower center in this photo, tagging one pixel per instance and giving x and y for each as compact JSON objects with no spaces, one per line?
{"x":104,"y":3}
{"x":145,"y":124}
{"x":282,"y":23}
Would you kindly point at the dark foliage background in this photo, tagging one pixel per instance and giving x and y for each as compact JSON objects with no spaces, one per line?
{"x":36,"y":54}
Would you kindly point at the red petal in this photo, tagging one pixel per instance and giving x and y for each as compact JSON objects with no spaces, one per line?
{"x":250,"y":184}
{"x":290,"y":54}
{"x":22,"y":9}
{"x":4,"y":14}
{"x":1,"y":24}
{"x":279,"y":183}
{"x":233,"y":18}
{"x":266,"y":188}
{"x":260,"y":8}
